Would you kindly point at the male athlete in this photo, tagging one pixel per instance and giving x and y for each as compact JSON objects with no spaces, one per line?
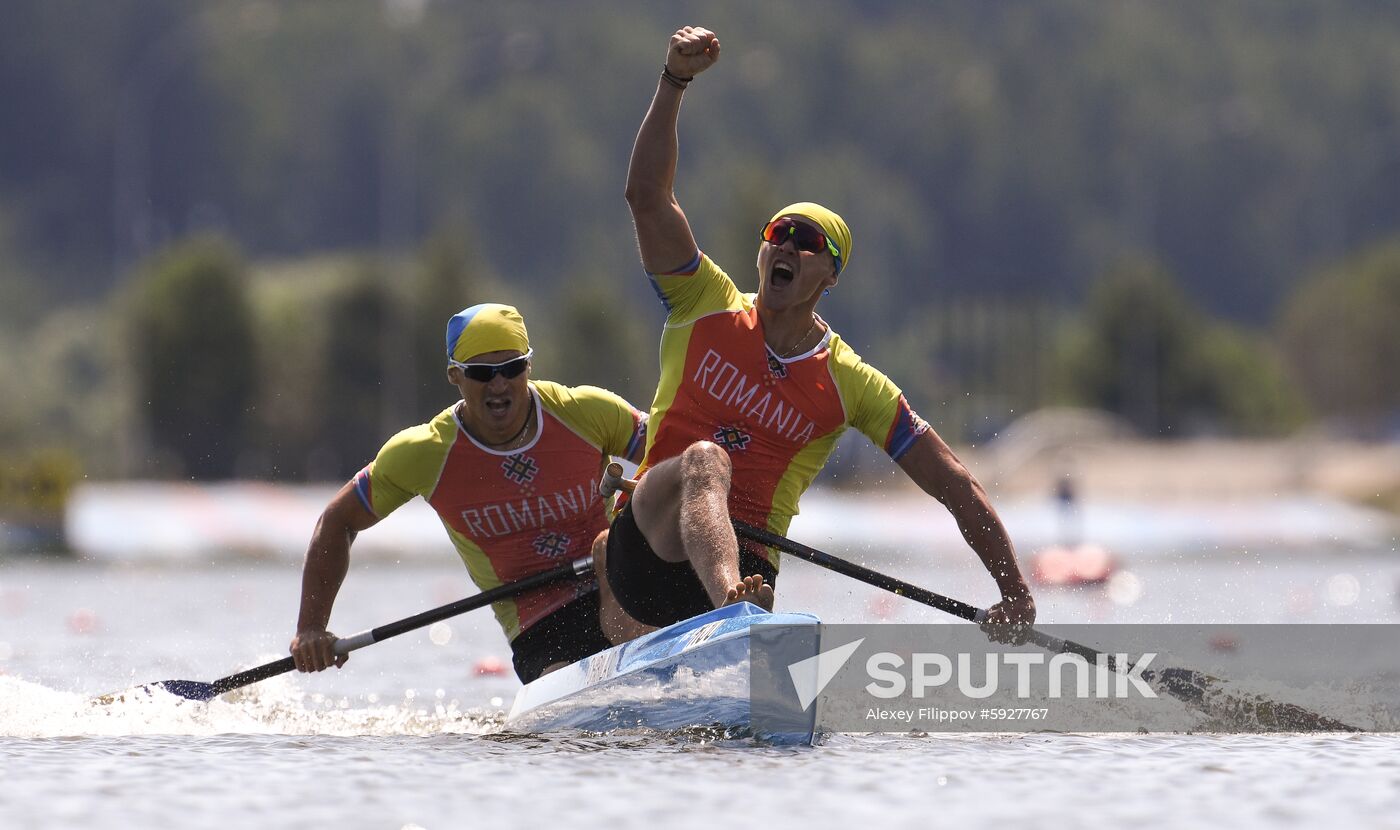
{"x":754,"y":392}
{"x":512,"y":470}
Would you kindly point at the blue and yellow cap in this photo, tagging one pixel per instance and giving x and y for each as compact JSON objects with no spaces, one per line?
{"x":488,"y":327}
{"x":831,"y":224}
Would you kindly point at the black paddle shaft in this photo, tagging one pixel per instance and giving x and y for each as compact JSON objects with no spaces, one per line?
{"x":859,"y":572}
{"x":571,"y":570}
{"x":1186,"y":685}
{"x":898,"y":586}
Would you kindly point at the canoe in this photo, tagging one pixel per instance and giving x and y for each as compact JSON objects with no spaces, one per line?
{"x":693,"y":674}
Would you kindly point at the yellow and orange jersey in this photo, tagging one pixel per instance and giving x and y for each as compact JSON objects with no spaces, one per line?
{"x":779,"y":418}
{"x":513,"y":514}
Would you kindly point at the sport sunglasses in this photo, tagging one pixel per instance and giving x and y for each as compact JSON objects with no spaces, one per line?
{"x":806,"y":237}
{"x":486,"y":372}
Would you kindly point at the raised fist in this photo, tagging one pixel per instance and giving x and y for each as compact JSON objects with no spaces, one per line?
{"x":692,"y":51}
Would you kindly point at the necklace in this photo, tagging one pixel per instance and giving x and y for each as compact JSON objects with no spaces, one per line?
{"x":803,"y":339}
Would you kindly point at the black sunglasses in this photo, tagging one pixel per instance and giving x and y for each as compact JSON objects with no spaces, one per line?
{"x":485,"y":372}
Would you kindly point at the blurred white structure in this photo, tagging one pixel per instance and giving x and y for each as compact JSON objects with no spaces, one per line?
{"x":143,"y":522}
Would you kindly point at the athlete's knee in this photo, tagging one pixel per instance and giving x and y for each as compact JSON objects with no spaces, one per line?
{"x":705,"y":461}
{"x":705,"y":452}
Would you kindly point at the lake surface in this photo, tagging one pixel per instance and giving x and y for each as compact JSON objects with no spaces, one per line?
{"x":406,"y":735}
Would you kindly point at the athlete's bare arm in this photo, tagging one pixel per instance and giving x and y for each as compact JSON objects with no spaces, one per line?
{"x":663,"y":234}
{"x":327,"y":561}
{"x":932,"y":465}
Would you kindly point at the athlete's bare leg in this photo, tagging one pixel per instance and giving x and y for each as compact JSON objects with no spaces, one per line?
{"x":682,"y":508}
{"x":617,"y":624}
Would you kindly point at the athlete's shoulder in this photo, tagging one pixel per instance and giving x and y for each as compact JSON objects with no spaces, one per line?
{"x":602,"y":418}
{"x":702,"y":288}
{"x":408,"y":465}
{"x":552,"y":395}
{"x":846,"y":359}
{"x":557,"y":396}
{"x":426,"y":439}
{"x":722,"y":286}
{"x":874,"y":404}
{"x":859,"y":382}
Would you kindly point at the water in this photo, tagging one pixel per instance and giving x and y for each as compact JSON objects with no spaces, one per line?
{"x":407,"y":734}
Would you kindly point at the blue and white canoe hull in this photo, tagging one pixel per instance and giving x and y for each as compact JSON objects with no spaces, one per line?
{"x":691,"y":674}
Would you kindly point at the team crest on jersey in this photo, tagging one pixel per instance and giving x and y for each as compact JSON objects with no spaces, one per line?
{"x":776,"y":366}
{"x":731,"y":438}
{"x":551,"y":544}
{"x":520,"y":469}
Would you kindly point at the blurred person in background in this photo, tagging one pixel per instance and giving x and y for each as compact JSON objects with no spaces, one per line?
{"x":512,"y":469}
{"x":755,"y":390}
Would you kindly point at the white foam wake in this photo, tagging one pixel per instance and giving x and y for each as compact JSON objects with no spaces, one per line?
{"x":31,"y":710}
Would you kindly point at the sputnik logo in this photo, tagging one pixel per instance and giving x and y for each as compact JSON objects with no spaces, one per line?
{"x":810,"y":676}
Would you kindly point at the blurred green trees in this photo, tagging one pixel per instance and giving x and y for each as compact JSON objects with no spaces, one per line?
{"x":593,"y":336}
{"x":446,"y":276}
{"x":325,"y":358}
{"x":335,"y":363}
{"x":1239,"y":144}
{"x":1145,"y":352}
{"x":354,"y":369}
{"x":1340,"y":332}
{"x":194,"y":360}
{"x":382,"y":165}
{"x":300,"y":369}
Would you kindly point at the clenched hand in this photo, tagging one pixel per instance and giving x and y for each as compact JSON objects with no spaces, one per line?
{"x":692,"y":51}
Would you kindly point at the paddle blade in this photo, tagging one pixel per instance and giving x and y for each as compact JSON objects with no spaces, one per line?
{"x":187,"y":689}
{"x":1210,"y":695}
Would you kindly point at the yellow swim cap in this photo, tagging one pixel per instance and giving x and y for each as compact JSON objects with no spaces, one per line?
{"x":489,"y":327}
{"x":831,"y":224}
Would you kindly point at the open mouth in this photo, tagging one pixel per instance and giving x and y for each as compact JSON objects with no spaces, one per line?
{"x":781,"y":274}
{"x":498,"y":407}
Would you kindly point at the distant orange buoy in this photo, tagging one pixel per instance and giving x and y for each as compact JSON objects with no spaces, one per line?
{"x":881,"y":606}
{"x":489,"y":666}
{"x":12,"y":602}
{"x":82,"y":621}
{"x":1071,"y":565}
{"x":1224,"y":641}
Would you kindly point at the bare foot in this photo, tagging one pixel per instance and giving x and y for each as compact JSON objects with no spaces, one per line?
{"x":752,"y":589}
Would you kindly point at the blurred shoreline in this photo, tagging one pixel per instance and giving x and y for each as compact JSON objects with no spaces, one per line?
{"x":1136,"y":496}
{"x":1196,"y":469}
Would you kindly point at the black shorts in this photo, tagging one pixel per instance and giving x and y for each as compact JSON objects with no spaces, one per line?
{"x":569,"y":634}
{"x":656,"y":592}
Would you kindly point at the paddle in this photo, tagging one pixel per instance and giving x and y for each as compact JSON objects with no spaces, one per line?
{"x":1189,"y":686}
{"x":195,"y":690}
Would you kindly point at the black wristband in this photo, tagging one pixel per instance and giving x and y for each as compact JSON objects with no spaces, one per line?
{"x":673,"y":79}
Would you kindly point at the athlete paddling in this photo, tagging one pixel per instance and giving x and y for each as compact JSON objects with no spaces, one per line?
{"x":754,"y":392}
{"x":512,"y":470}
